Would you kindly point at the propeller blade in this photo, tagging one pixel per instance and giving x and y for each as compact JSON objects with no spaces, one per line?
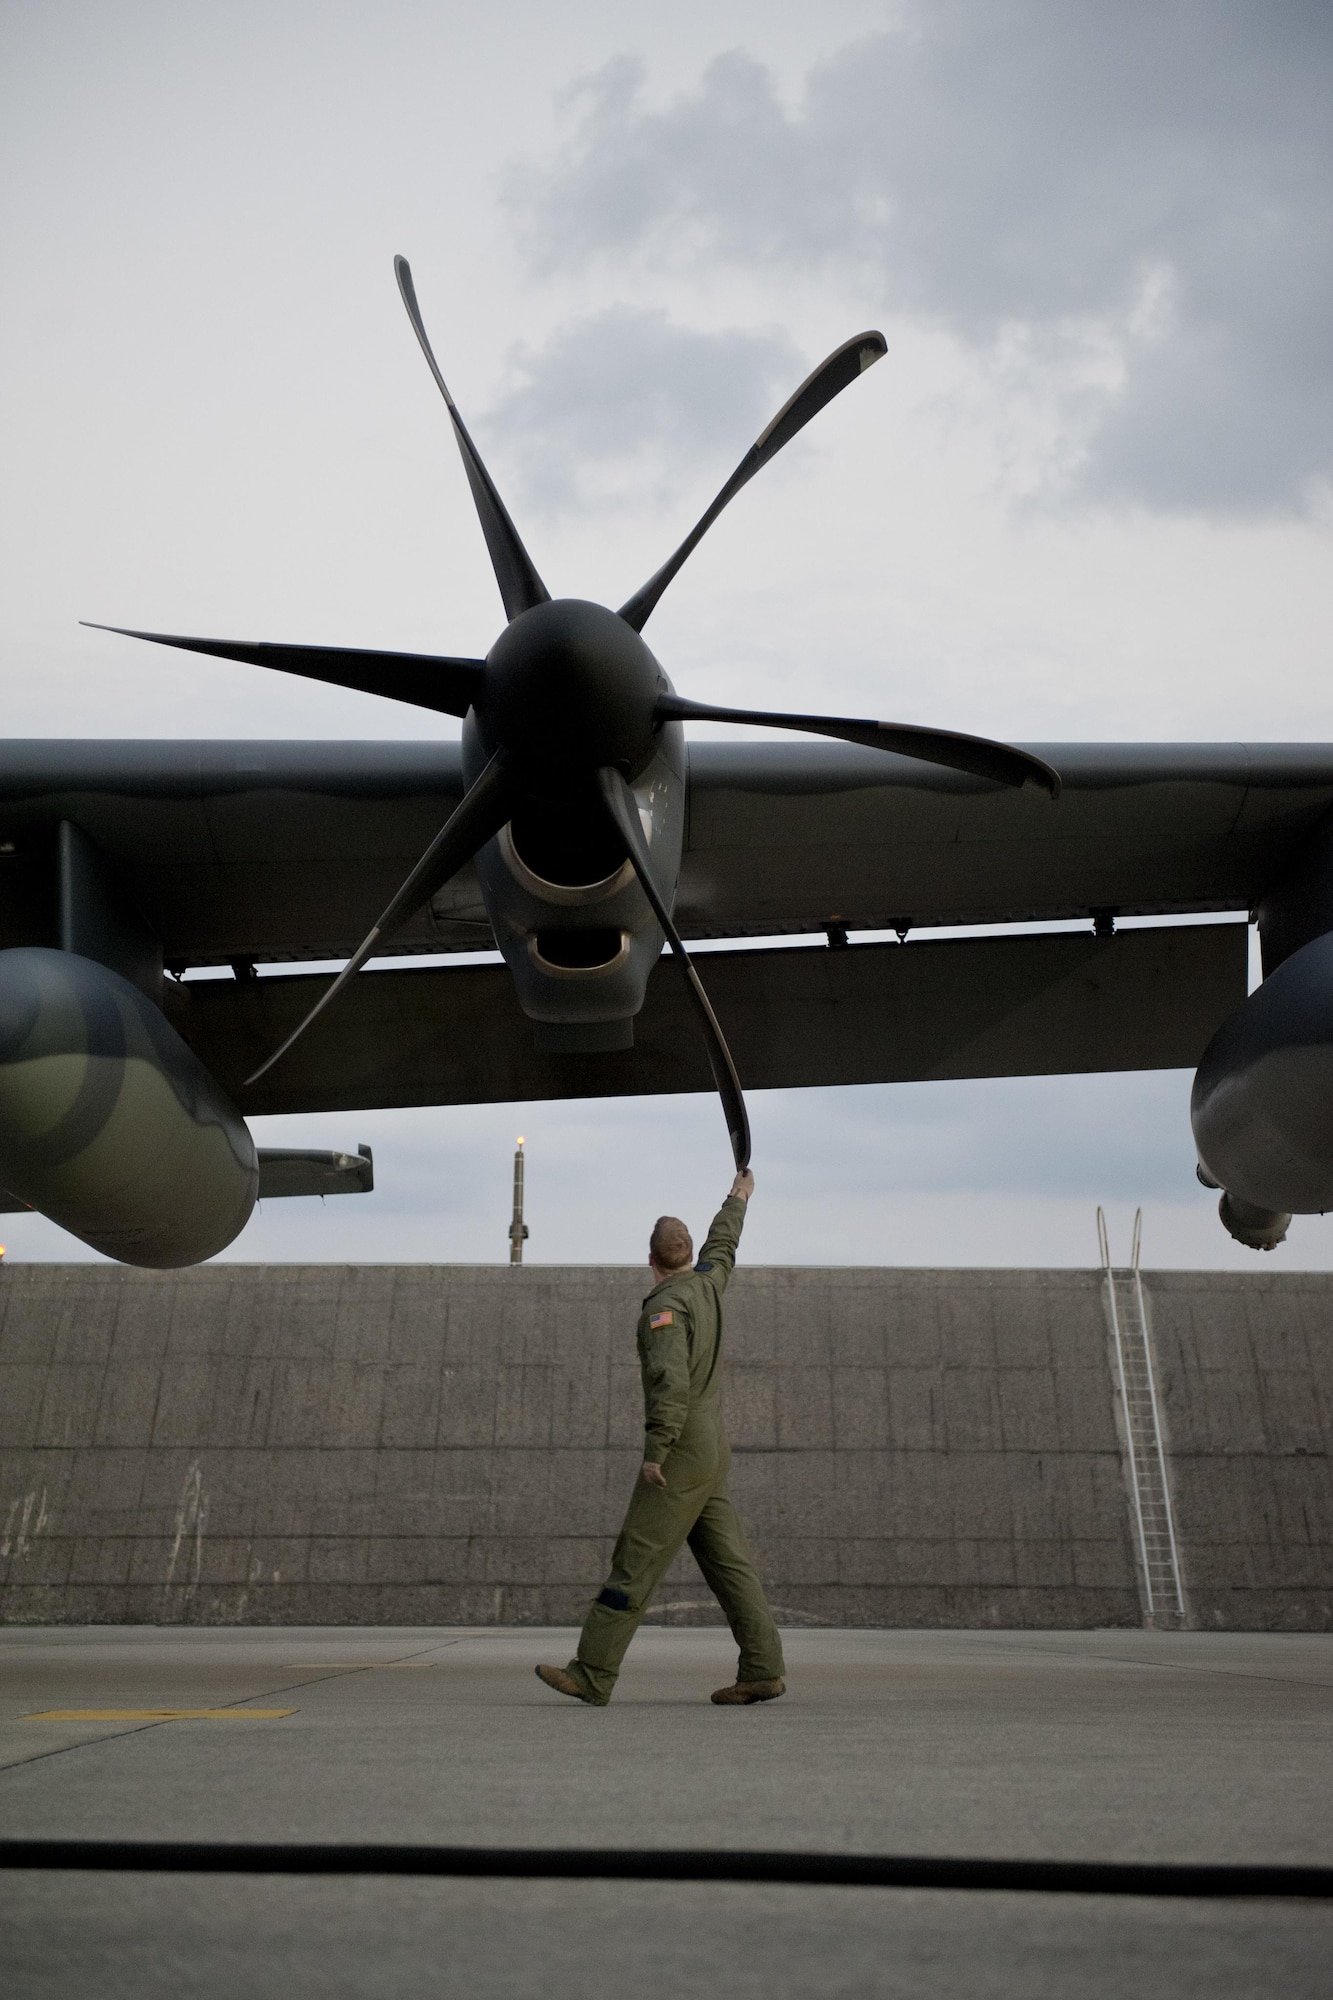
{"x":427,"y":680}
{"x":520,"y":586}
{"x":481,"y":812}
{"x":623,"y":808}
{"x":829,"y":380}
{"x":977,"y":755}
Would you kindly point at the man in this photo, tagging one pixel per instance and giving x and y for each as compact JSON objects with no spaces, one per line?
{"x":681,"y":1492}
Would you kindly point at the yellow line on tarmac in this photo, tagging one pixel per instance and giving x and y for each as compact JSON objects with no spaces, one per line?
{"x":159,"y":1714}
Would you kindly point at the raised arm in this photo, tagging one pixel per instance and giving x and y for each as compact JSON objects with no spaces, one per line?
{"x":717,"y":1259}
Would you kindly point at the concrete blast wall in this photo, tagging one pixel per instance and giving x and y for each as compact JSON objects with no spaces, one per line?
{"x":419,"y":1445}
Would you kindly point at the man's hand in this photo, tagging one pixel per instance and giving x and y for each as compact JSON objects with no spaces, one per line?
{"x":743,"y":1185}
{"x":653,"y":1473}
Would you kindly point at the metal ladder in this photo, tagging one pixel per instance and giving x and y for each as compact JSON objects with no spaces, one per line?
{"x":1155,"y":1528}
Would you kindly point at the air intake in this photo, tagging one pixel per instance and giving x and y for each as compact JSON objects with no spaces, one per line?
{"x":580,"y":950}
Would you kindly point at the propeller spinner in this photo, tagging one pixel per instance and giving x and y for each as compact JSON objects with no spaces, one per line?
{"x":570,"y":687}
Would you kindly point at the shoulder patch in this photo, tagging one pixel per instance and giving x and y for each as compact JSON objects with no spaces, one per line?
{"x":663,"y":1319}
{"x":701,"y":1266}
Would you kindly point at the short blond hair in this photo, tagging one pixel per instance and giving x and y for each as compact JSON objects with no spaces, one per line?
{"x":670,"y":1245}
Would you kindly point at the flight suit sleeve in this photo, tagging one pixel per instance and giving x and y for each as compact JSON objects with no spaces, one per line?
{"x":664,"y":1359}
{"x":717,"y":1259}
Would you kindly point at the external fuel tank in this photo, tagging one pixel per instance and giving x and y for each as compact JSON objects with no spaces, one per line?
{"x":1262,"y":1105}
{"x":109,"y":1124}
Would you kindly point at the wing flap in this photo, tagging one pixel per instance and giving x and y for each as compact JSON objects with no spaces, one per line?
{"x":961,"y":1007}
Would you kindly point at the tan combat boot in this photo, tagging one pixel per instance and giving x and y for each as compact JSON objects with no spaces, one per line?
{"x":564,"y":1683}
{"x":747,"y":1691}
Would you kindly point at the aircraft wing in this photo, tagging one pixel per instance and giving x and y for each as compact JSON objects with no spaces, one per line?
{"x":284,"y":851}
{"x":275,"y":852}
{"x":257,"y":851}
{"x":788,"y":838}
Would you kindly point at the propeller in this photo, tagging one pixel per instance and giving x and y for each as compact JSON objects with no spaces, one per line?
{"x":976,"y":754}
{"x":624,"y":810}
{"x":829,"y":380}
{"x":482,"y":811}
{"x":427,"y":680}
{"x":570,"y":690}
{"x":520,"y":586}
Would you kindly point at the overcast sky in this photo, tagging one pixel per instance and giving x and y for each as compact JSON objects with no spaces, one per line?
{"x":1086,"y":496}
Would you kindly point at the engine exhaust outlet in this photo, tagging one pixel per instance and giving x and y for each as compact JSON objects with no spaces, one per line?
{"x":1256,"y":1228}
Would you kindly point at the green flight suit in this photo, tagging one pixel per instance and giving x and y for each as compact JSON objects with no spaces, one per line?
{"x":680,"y":1354}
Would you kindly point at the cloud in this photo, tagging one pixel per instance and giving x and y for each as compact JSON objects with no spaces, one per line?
{"x":1161,"y":172}
{"x":626,"y":402}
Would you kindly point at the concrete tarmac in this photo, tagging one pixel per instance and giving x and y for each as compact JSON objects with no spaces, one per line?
{"x":1102,"y":1745}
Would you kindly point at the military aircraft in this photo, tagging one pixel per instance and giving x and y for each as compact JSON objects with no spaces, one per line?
{"x":576,"y":829}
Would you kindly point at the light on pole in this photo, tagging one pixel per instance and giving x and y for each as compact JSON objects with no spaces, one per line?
{"x":518,"y":1228}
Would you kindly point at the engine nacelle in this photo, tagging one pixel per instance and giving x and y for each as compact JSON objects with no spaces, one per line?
{"x":109,"y":1124}
{"x":576,"y":930}
{"x":1262,"y":1106}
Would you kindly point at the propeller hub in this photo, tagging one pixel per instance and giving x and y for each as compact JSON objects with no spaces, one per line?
{"x":570,"y":681}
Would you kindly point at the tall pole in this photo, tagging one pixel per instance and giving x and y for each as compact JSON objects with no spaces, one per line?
{"x":518,"y":1228}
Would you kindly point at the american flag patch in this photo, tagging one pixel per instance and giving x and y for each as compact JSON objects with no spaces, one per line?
{"x":662,"y":1319}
